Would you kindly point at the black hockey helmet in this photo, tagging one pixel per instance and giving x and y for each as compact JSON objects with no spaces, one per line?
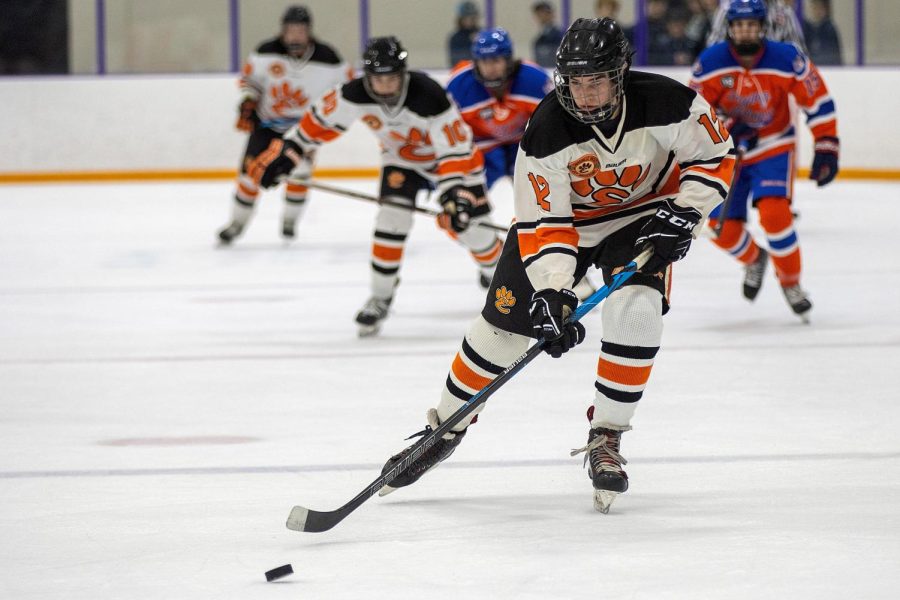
{"x":593,"y":48}
{"x":296,"y":14}
{"x":383,"y":56}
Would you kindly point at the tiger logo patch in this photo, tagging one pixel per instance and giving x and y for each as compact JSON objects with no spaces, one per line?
{"x":505,"y":300}
{"x":372,"y":121}
{"x":396,"y":179}
{"x":585,"y":166}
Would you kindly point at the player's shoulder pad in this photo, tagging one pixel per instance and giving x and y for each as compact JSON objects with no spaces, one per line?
{"x":273,"y":46}
{"x":425,"y":96}
{"x":355,"y":91}
{"x":551,"y":129}
{"x":655,"y":100}
{"x":531,"y":78}
{"x":324,"y":53}
{"x":785,"y":57}
{"x":712,"y":58}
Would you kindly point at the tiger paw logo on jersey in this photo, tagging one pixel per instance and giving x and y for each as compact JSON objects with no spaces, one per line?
{"x":505,"y":300}
{"x":614,"y":186}
{"x":584,"y":166}
{"x":395,"y":180}
{"x":286,"y":98}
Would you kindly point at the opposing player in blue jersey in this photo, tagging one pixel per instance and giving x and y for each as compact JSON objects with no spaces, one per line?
{"x":496,"y":94}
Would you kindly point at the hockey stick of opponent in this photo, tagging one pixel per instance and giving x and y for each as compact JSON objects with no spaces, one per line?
{"x":368,"y":198}
{"x":723,"y":210}
{"x":305,"y":519}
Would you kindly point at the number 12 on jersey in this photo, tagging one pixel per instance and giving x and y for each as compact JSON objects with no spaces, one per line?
{"x":541,"y":190}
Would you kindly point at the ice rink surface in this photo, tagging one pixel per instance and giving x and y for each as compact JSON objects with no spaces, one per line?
{"x":165,"y":402}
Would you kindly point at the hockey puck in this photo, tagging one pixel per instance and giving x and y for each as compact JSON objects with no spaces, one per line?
{"x":279,"y":572}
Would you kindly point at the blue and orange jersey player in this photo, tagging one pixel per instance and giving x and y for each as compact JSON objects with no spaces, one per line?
{"x":750,"y":79}
{"x":496,"y":94}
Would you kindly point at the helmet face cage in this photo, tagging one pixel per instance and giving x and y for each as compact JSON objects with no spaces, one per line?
{"x":597,"y":53}
{"x":616,"y":91}
{"x":746,"y":9}
{"x":385,"y":56}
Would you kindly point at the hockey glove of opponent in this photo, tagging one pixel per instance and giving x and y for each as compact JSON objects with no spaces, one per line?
{"x":825,"y":162}
{"x":247,"y":117}
{"x":669,"y":232}
{"x":550,"y":310}
{"x":457,"y":203}
{"x":745,"y":137}
{"x":274,"y":162}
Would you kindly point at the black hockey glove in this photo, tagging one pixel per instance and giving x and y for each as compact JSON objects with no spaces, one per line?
{"x":457,"y":203}
{"x":248,"y":120}
{"x":825,"y":162}
{"x":550,"y":310}
{"x":669,"y":232}
{"x":275,"y":162}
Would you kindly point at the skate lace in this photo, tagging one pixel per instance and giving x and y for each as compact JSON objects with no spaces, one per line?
{"x":376,"y":306}
{"x":794,"y":294}
{"x":754,"y":272}
{"x":610,"y":448}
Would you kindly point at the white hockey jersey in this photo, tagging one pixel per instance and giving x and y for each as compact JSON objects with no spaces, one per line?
{"x":423,"y":131}
{"x":575,"y":186}
{"x":284,"y":86}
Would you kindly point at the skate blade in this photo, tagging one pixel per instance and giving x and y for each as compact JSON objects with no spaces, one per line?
{"x":603,"y":500}
{"x":804,"y":317}
{"x":368,"y":330}
{"x":386,"y":490}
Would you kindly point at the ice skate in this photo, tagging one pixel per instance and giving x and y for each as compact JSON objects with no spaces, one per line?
{"x":372,"y":314}
{"x":753,"y":275}
{"x":799,"y":301}
{"x":287,"y":228}
{"x":605,"y":465}
{"x":442,"y":448}
{"x":233,"y":230}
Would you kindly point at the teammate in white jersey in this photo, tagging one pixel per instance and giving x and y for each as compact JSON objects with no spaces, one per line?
{"x":425,"y":145}
{"x":613,"y":161}
{"x":278,"y":82}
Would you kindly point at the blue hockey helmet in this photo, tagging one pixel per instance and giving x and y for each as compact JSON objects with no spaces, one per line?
{"x":746,"y":9}
{"x":491,"y":43}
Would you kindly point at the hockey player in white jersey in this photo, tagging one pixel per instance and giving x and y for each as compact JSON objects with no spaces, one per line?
{"x":278,"y":82}
{"x":610,"y":163}
{"x":425,"y":145}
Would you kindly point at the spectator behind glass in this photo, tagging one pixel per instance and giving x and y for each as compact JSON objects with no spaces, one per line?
{"x":656,"y":32}
{"x":610,"y":9}
{"x":459,"y":45}
{"x":700,"y":25}
{"x":547,"y":41}
{"x":673,"y":46}
{"x":822,"y":38}
{"x":33,"y":37}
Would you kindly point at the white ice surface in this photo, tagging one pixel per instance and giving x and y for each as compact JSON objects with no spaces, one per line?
{"x":764,"y":461}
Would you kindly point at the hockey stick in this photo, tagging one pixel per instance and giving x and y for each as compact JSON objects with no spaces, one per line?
{"x":361,"y":196}
{"x":305,"y":519}
{"x":723,"y":211}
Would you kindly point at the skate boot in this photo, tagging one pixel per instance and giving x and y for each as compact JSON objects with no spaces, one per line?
{"x":753,"y":275}
{"x":370,"y":317}
{"x":605,"y":464}
{"x":233,"y":230}
{"x":797,"y":298}
{"x":287,"y":229}
{"x":442,"y":448}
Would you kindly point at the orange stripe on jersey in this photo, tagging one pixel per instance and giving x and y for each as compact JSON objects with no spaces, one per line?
{"x":315,"y":130}
{"x":826,"y":129}
{"x":295,"y":188}
{"x":724,"y":172}
{"x":530,"y":243}
{"x":473,"y":162}
{"x":460,"y":66}
{"x":623,"y":374}
{"x":467,"y":376}
{"x":386,"y":252}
